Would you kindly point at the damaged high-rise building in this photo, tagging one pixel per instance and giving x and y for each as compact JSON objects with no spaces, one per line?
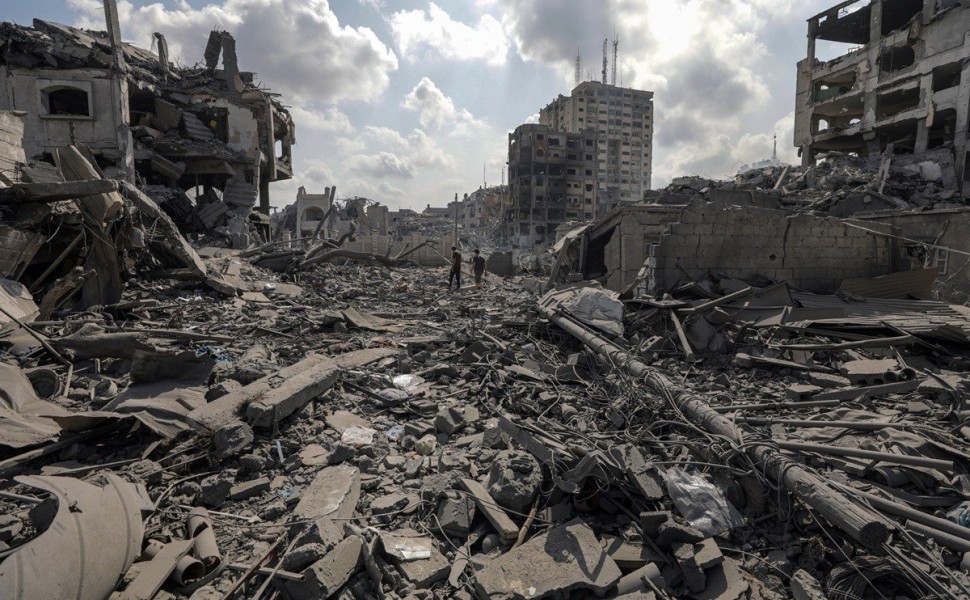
{"x":552,"y":180}
{"x":621,"y":120}
{"x":904,"y":83}
{"x":206,"y":141}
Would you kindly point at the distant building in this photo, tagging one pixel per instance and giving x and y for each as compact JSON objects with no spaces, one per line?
{"x":482,"y":208}
{"x":552,"y":179}
{"x":621,"y":119}
{"x":311,"y":209}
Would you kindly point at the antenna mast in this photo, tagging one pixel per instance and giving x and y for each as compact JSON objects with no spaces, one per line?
{"x":579,"y":66}
{"x":605,"y":41}
{"x":616,"y":44}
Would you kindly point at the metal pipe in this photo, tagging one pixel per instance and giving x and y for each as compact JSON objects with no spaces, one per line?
{"x":886,"y":457}
{"x":861,"y":524}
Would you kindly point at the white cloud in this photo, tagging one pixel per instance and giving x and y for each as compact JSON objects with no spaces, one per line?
{"x":437,"y":111}
{"x":382,"y":164}
{"x":329,"y":120}
{"x":435,"y":31}
{"x":297,"y":47}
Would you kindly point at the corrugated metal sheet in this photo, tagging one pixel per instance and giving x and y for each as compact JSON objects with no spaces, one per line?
{"x":196,"y":129}
{"x":240,"y":193}
{"x":905,"y":284}
{"x":928,"y":319}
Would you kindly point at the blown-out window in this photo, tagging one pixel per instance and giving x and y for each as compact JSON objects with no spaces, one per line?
{"x":66,"y":101}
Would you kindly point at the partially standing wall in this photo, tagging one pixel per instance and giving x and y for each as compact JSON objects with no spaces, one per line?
{"x":812,"y":253}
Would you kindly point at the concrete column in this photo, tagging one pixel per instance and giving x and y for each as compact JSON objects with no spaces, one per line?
{"x":264,"y":195}
{"x":962,"y":123}
{"x":114,"y":33}
{"x":926,"y":98}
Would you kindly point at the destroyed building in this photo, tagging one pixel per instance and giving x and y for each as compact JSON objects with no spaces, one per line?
{"x":903,"y":83}
{"x":210,"y":138}
{"x":622,"y":122}
{"x":552,"y":179}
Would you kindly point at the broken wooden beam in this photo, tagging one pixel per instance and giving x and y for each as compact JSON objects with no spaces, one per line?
{"x":868,"y":391}
{"x":684,"y":344}
{"x":710,"y":304}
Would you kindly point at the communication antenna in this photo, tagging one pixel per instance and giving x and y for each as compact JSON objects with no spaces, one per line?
{"x":579,"y":67}
{"x":605,"y":42}
{"x":616,"y":45}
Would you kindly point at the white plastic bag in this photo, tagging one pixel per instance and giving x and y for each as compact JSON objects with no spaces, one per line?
{"x":358,"y":436}
{"x":701,"y":503}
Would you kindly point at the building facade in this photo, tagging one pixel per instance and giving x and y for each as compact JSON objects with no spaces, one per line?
{"x":621,"y":119}
{"x":552,"y":180}
{"x":905,"y":81}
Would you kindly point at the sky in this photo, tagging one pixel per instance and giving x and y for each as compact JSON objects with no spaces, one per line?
{"x":409,"y":102}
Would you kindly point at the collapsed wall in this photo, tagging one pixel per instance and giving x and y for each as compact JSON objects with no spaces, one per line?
{"x":813,"y":253}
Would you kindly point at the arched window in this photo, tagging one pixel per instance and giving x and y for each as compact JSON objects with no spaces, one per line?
{"x":65,"y":100}
{"x":312,"y":213}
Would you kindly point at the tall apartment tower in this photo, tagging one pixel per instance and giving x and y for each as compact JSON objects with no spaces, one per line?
{"x":621,"y":121}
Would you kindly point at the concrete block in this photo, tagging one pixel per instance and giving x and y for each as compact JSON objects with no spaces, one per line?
{"x":806,"y":587}
{"x":248,"y":489}
{"x":323,"y":578}
{"x":333,"y":494}
{"x":694,"y":577}
{"x":651,"y":522}
{"x":536,"y":569}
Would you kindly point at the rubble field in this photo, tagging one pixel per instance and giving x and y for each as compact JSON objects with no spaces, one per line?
{"x":351,"y":428}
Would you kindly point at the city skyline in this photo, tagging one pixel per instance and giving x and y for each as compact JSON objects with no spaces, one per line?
{"x":406,"y":102}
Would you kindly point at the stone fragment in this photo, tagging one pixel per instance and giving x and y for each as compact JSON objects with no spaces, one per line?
{"x":388,"y":503}
{"x":563,"y":559}
{"x":324,"y":577}
{"x":514,"y":479}
{"x":637,"y":580}
{"x":800,"y":392}
{"x":221,"y":389}
{"x":341,"y":453}
{"x":724,"y":582}
{"x":333,"y":493}
{"x":507,"y":530}
{"x":231,"y":439}
{"x":314,"y":454}
{"x":806,"y":587}
{"x":449,"y":420}
{"x":215,"y":488}
{"x":495,"y":438}
{"x":456,"y":514}
{"x":707,"y":554}
{"x":416,"y":557}
{"x":303,"y":556}
{"x":693,"y":575}
{"x":248,"y":489}
{"x":426,"y":445}
{"x":652,"y":520}
{"x":671,"y":532}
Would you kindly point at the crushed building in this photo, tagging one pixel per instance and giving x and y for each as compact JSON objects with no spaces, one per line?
{"x":903,"y":84}
{"x":206,"y":140}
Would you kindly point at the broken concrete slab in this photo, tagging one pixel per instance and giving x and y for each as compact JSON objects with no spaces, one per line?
{"x":504,"y":526}
{"x":323,"y":578}
{"x":332,"y":494}
{"x":563,"y":559}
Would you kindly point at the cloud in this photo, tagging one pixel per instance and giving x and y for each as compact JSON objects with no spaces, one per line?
{"x":327,"y":120}
{"x":439,"y":35}
{"x":437,"y":111}
{"x":704,"y":59}
{"x":382,"y":164}
{"x":380,"y":192}
{"x":297,"y":47}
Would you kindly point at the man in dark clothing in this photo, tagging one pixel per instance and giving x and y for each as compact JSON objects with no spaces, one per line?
{"x":478,"y":267}
{"x":455,"y":273}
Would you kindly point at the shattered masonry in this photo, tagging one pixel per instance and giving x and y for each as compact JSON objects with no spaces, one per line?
{"x":752,"y":389}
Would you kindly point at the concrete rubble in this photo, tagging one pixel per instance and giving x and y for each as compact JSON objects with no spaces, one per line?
{"x":195,"y":405}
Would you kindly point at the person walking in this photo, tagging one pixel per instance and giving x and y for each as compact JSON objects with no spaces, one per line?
{"x":478,"y":268}
{"x":455,"y":273}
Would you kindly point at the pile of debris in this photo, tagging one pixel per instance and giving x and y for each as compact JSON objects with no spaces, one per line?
{"x":353,"y":431}
{"x":840,"y":184}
